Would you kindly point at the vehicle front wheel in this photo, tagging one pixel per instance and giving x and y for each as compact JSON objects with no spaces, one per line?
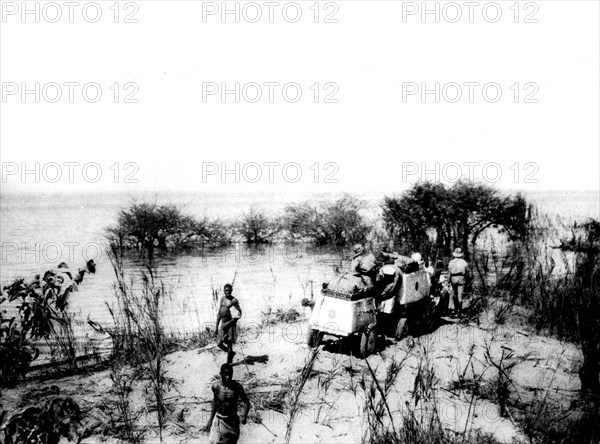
{"x":314,"y":338}
{"x":368,"y":339}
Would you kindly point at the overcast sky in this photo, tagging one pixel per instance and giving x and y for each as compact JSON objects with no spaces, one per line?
{"x":374,"y":62}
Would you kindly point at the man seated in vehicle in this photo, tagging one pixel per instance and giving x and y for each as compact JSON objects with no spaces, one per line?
{"x":364,"y":265}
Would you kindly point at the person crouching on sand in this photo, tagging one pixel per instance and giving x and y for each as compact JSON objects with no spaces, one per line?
{"x":224,"y":423}
{"x":227,"y":317}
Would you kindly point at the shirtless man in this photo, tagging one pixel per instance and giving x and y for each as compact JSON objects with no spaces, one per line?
{"x":225,"y":428}
{"x":226,"y":329}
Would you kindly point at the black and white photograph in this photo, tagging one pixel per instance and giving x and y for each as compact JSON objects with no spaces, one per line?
{"x":309,"y":221}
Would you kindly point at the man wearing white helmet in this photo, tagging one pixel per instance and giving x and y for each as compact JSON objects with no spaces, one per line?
{"x":458,"y":269}
{"x":422,"y":265}
{"x":417,"y":258}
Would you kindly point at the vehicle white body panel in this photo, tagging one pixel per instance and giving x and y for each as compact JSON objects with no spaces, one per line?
{"x":415,"y":286}
{"x":341,"y":317}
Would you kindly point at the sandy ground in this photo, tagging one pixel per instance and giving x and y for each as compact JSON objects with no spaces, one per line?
{"x":332,"y":400}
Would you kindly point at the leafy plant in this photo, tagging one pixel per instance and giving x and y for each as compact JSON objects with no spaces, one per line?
{"x":16,"y":351}
{"x":42,"y":314}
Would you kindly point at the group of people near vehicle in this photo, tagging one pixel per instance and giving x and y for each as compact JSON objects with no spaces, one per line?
{"x":383,"y":274}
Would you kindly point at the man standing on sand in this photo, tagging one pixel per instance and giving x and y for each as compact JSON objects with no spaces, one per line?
{"x":458,"y":269}
{"x":224,"y":423}
{"x":227,"y":317}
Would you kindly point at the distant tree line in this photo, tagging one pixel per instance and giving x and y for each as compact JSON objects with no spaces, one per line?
{"x":148,"y":227}
{"x":427,"y":217}
{"x":435,"y":219}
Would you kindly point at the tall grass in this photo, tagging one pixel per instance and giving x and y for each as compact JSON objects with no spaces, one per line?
{"x":418,"y":421}
{"x":324,"y":383}
{"x":266,"y":314}
{"x":121,"y":410}
{"x":62,"y":343}
{"x":554,"y":272}
{"x":557,"y":276}
{"x":140,"y":344}
{"x":296,"y":390}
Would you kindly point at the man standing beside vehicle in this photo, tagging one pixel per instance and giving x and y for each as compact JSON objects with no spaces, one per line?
{"x":458,"y":270}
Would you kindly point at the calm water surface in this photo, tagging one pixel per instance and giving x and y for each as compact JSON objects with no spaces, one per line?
{"x":39,"y":231}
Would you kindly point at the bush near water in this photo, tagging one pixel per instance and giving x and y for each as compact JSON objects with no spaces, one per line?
{"x":562,"y":294}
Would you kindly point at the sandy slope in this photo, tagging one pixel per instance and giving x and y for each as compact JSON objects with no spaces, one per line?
{"x":332,"y":401}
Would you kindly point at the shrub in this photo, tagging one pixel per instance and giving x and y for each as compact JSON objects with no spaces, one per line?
{"x":16,"y":351}
{"x":147,"y":227}
{"x":256,"y":227}
{"x":336,"y":223}
{"x":42,"y":311}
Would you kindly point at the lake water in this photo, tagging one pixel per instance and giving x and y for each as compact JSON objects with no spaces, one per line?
{"x":39,"y":231}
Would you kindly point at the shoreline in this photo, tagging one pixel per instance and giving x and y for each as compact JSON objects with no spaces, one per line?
{"x":332,"y":399}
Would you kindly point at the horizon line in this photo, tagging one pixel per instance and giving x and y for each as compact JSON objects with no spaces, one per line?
{"x":171,"y":191}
